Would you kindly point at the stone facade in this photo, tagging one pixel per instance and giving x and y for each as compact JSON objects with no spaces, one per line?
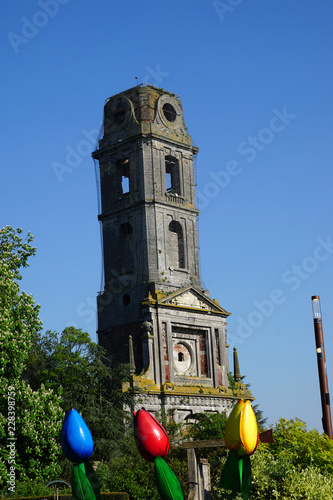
{"x":152,"y":286}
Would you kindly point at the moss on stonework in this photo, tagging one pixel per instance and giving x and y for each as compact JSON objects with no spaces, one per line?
{"x":162,"y":91}
{"x":239,"y":389}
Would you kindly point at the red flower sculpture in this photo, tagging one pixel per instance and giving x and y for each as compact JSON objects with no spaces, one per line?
{"x":150,"y":437}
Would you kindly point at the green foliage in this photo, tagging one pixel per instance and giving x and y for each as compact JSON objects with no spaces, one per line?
{"x":115,"y":496}
{"x":35,"y":488}
{"x":64,"y":494}
{"x":42,"y":496}
{"x":277,"y":477}
{"x":219,"y":493}
{"x":131,"y":474}
{"x":174,"y":430}
{"x":39,"y":419}
{"x":37,"y":449}
{"x":128,"y":471}
{"x":298,"y":465}
{"x":301,"y":447}
{"x":32,"y":418}
{"x":19,"y":319}
{"x":88,"y":383}
{"x":208,"y":426}
{"x":64,"y":360}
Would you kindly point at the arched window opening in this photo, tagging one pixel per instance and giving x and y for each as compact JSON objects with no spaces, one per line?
{"x":172,"y":175}
{"x":126,"y":248}
{"x":123,"y":174}
{"x":176,"y":245}
{"x":180,"y":356}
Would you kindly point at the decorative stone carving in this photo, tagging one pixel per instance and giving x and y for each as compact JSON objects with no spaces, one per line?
{"x":147,"y":328}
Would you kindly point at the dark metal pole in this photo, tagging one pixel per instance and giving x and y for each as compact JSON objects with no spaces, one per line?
{"x":321,"y":360}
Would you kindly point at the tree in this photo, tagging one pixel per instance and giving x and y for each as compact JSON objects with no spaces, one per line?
{"x":87,"y":382}
{"x":39,"y":418}
{"x":62,"y":360}
{"x":19,"y":319}
{"x":29,"y":420}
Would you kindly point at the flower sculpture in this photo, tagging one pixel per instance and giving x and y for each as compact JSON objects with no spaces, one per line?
{"x":150,"y":437}
{"x":152,"y":442}
{"x":241,"y":438}
{"x":76,"y":439}
{"x":241,"y":433}
{"x":77,"y":445}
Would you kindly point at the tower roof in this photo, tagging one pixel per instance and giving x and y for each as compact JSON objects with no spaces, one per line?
{"x":160,"y":90}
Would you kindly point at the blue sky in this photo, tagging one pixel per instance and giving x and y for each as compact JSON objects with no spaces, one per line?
{"x":256,"y":80}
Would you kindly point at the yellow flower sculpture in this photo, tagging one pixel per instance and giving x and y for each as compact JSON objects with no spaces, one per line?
{"x":241,"y":433}
{"x":241,"y":438}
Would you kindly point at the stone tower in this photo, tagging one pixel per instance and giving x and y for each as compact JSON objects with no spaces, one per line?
{"x":153,"y":303}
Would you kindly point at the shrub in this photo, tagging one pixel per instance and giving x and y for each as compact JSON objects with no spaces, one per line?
{"x":278,"y":478}
{"x":301,"y":447}
{"x":131,"y":474}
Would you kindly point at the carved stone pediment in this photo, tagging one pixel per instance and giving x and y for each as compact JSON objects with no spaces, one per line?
{"x":192,"y":298}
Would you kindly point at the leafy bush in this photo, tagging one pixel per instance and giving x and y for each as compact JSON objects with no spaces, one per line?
{"x":301,"y":447}
{"x":34,"y":416}
{"x":277,"y":477}
{"x":133,"y":475}
{"x":208,"y":426}
{"x":128,"y":471}
{"x":297,"y":466}
{"x":33,"y":488}
{"x":104,"y":496}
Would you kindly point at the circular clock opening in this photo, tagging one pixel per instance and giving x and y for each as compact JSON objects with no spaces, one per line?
{"x":169,"y":112}
{"x":119,"y":113}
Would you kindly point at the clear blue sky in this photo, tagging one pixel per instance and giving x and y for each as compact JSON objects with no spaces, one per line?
{"x":255,"y":78}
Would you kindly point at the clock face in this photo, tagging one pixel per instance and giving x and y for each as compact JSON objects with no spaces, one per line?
{"x":170,"y":112}
{"x":119,"y":113}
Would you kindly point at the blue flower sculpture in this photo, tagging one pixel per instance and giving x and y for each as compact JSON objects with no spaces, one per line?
{"x":76,"y":439}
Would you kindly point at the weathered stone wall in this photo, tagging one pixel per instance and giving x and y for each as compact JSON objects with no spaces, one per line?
{"x":150,"y":251}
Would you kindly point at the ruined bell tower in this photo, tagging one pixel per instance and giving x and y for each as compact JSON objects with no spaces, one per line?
{"x":153,"y":293}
